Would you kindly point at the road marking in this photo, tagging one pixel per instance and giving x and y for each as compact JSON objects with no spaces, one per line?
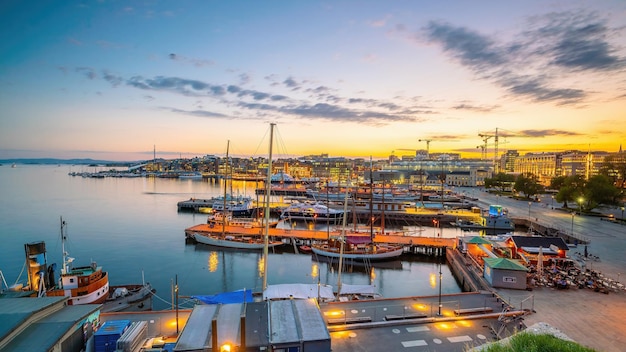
{"x":414,"y":343}
{"x":463,"y":338}
{"x":417,"y":328}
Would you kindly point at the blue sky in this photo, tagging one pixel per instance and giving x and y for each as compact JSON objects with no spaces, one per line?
{"x":113,"y":79}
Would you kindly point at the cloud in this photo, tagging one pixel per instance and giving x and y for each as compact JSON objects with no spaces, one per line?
{"x":192,"y":61}
{"x":87,"y":72}
{"x":475,"y":108}
{"x":534,"y":65}
{"x":199,"y":113}
{"x":544,"y":133}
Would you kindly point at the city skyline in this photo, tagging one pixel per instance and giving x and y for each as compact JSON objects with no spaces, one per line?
{"x":112,"y":81}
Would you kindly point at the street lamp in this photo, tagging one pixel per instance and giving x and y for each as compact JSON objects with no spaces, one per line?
{"x":573,"y":213}
{"x":580,"y":204}
{"x":529,"y":203}
{"x":622,"y":215}
{"x":552,"y":202}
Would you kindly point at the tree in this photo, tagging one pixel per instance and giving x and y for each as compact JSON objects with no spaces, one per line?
{"x":614,"y":167}
{"x":600,"y":190}
{"x":571,"y":189}
{"x":528,"y":184}
{"x":500,"y":181}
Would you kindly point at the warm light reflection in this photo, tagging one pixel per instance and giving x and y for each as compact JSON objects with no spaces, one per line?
{"x":334,"y":313}
{"x":420,"y":306}
{"x":433,"y":280}
{"x":314,"y":270}
{"x":225,"y":348}
{"x":213,"y":262}
{"x":261,"y":266}
{"x":372,"y":275}
{"x":464,"y":323}
{"x":445,"y":326}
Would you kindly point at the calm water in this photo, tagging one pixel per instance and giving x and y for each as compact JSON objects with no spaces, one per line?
{"x":131,"y":226}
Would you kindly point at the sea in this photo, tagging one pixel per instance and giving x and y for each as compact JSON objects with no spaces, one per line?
{"x":133,"y":229}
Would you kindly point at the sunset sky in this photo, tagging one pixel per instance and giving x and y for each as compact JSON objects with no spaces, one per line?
{"x":114,"y":79}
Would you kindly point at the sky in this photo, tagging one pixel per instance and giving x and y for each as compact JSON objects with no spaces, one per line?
{"x":117,"y":80}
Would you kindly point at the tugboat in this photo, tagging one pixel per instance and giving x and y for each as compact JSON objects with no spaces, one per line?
{"x":82,"y":285}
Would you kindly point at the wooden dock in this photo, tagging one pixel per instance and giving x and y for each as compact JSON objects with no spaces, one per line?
{"x":317,"y":235}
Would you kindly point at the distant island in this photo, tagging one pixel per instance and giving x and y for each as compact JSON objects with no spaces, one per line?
{"x":52,"y":161}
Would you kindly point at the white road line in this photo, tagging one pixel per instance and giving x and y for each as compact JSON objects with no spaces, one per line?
{"x":414,"y":343}
{"x":463,"y":338}
{"x":417,"y":328}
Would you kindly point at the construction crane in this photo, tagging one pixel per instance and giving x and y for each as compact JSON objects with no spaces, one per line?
{"x":486,"y":137}
{"x":427,"y":146}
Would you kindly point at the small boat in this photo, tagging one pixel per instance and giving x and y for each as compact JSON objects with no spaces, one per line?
{"x":496,"y":219}
{"x":235,"y":205}
{"x":305,"y":249}
{"x":82,"y":285}
{"x":311,"y":211}
{"x":190,"y":176}
{"x":217,"y":219}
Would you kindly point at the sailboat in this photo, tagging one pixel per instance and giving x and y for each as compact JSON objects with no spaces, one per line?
{"x":357,"y":246}
{"x":232,"y":239}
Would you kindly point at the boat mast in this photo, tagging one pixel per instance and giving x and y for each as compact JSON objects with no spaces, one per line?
{"x":343,"y":237}
{"x":224,"y":217}
{"x":371,"y":203}
{"x":65,"y":268}
{"x":268,"y":185}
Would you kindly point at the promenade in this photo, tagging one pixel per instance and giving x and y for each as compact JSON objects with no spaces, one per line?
{"x":590,"y":318}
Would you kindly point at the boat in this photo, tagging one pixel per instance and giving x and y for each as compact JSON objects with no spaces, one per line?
{"x":235,"y":205}
{"x":496,"y":219}
{"x":357,"y":247}
{"x":81,"y":284}
{"x":234,"y":241}
{"x":217,"y":219}
{"x":311,"y":211}
{"x":240,"y":240}
{"x":190,"y":176}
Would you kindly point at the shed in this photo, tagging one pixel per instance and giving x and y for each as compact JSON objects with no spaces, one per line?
{"x":297,"y":325}
{"x":505,"y":273}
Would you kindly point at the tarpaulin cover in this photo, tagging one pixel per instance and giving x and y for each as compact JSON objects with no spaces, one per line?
{"x":238,"y":296}
{"x":358,"y":239}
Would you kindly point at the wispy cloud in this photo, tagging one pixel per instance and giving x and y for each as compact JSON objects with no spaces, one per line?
{"x":532,"y":66}
{"x":544,"y":133}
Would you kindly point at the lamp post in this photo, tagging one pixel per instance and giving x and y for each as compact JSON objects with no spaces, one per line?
{"x":573,"y":213}
{"x":580,"y":204}
{"x":552,"y":202}
{"x":622,"y":215}
{"x":529,"y":203}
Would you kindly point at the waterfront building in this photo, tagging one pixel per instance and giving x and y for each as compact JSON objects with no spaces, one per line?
{"x":543,"y":165}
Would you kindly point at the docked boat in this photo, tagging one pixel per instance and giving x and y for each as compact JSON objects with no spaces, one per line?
{"x":81,"y":284}
{"x":190,"y":176}
{"x":311,"y":211}
{"x":235,"y":239}
{"x":216,"y":219}
{"x":496,"y":219}
{"x":235,"y":205}
{"x":358,"y":248}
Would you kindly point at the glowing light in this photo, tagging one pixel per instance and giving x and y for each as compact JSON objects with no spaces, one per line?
{"x":314,"y":270}
{"x":261,"y":266}
{"x":420,"y":306}
{"x":225,"y":348}
{"x":433,"y":280}
{"x":334,"y":313}
{"x":445,"y":326}
{"x":213,"y":262}
{"x":372,"y":275}
{"x":464,"y":323}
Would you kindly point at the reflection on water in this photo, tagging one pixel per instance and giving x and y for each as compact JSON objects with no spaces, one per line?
{"x":130,"y":226}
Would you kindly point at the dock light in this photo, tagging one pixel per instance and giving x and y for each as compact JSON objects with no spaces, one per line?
{"x":225,"y":348}
{"x":580,"y":204}
{"x":334,"y":313}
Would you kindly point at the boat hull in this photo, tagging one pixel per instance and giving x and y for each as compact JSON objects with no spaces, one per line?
{"x":378,"y":254}
{"x":234,"y":242}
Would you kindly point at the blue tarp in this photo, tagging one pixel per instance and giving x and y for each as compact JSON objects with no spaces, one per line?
{"x":238,"y":296}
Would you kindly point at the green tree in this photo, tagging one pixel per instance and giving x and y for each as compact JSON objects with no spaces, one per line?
{"x":499,"y":181}
{"x":614,"y":167}
{"x":600,"y":190}
{"x":557,"y":182}
{"x":571,"y":189}
{"x":528,"y":184}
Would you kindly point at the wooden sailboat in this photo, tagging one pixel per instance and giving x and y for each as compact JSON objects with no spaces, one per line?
{"x":357,"y":246}
{"x":229,"y":237}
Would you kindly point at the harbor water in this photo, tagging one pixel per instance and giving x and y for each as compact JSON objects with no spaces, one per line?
{"x":132,"y":228}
